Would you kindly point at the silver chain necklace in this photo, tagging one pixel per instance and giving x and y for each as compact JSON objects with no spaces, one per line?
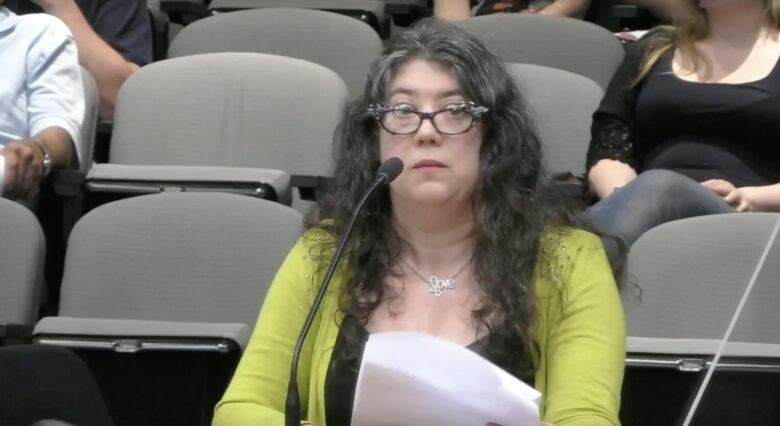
{"x":435,"y":284}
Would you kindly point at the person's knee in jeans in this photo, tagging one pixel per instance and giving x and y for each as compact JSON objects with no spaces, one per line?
{"x":677,"y":195}
{"x":654,"y":197}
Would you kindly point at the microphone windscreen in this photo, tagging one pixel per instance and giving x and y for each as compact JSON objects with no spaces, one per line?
{"x":391,"y":168}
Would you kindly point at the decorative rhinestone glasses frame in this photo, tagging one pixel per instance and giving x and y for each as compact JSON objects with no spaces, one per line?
{"x":475,"y":111}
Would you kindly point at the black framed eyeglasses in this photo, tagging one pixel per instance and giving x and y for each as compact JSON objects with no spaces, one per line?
{"x":450,"y":120}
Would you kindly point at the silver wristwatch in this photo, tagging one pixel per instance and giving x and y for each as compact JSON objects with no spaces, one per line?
{"x":46,"y":157}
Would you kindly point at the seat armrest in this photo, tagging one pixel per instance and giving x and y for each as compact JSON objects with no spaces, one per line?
{"x":15,"y":334}
{"x":406,"y":7}
{"x":686,"y":347}
{"x":309,"y":185}
{"x":67,"y":182}
{"x":138,"y":179}
{"x":634,"y":17}
{"x":105,"y":127}
{"x":572,"y":186}
{"x":625,"y":11}
{"x":372,"y":12}
{"x":125,"y":335}
{"x":406,"y":12}
{"x":184,"y":12}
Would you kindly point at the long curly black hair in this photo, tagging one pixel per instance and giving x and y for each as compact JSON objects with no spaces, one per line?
{"x":514,"y":201}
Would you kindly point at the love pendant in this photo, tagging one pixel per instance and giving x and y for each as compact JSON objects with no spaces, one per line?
{"x":437,"y":286}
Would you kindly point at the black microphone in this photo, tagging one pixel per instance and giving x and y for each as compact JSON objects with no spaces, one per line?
{"x":387,"y":172}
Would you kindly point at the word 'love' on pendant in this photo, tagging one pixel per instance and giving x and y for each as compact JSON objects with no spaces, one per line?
{"x":437,"y":286}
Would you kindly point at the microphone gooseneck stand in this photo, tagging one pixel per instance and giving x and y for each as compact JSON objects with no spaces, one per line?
{"x":387,"y":172}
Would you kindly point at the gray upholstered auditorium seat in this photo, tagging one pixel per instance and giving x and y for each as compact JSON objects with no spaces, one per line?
{"x":685,"y":281}
{"x":691,"y":274}
{"x":562,"y":105}
{"x":372,"y":12}
{"x":233,"y":122}
{"x":22,"y":248}
{"x":169,"y":271}
{"x":160,"y":294}
{"x":564,"y":43}
{"x":335,"y":41}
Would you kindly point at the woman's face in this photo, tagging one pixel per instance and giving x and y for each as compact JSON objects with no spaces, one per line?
{"x":439,"y":169}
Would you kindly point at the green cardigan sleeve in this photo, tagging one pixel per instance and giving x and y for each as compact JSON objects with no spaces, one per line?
{"x":582,"y":336}
{"x":257,"y":391}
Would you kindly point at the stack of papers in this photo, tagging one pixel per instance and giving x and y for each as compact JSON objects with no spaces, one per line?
{"x":416,"y":379}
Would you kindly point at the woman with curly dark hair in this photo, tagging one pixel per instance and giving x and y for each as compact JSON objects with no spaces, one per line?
{"x":470,"y":243}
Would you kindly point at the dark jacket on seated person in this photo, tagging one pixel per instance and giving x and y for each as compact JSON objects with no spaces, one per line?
{"x":123,"y":24}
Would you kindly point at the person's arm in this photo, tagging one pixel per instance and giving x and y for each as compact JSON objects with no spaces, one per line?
{"x":608,"y":175}
{"x":55,"y":111}
{"x":755,"y":198}
{"x":611,"y":161}
{"x":764,"y":198}
{"x":24,"y":161}
{"x":451,"y":10}
{"x":570,"y":8}
{"x":256,"y":394}
{"x":586,"y":343}
{"x":106,"y":65}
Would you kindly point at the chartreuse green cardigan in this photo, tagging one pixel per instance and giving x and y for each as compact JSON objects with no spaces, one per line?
{"x":579,"y":330}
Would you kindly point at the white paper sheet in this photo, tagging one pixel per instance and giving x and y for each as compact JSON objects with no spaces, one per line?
{"x":416,"y":379}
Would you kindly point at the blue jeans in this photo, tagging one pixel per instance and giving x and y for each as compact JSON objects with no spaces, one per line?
{"x":653,"y":198}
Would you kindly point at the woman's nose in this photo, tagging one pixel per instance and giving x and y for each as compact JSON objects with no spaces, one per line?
{"x":427,"y":132}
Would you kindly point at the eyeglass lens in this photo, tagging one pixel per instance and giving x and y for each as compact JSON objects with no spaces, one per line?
{"x":448,"y":121}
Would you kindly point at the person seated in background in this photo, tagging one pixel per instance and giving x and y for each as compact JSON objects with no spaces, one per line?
{"x":114,"y":38}
{"x":690,"y":122}
{"x":42,"y":100}
{"x":462,"y":9}
{"x":526,"y":287}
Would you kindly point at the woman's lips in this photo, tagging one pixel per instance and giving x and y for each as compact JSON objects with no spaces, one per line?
{"x":428,"y":163}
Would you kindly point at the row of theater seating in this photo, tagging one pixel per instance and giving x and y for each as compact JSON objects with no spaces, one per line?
{"x":175,"y":279}
{"x":240,"y":129}
{"x":157,"y":107}
{"x":160,"y":294}
{"x":381,"y":15}
{"x":248,"y":107}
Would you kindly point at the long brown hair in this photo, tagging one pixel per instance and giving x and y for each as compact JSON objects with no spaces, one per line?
{"x":690,"y":27}
{"x":514,"y":202}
